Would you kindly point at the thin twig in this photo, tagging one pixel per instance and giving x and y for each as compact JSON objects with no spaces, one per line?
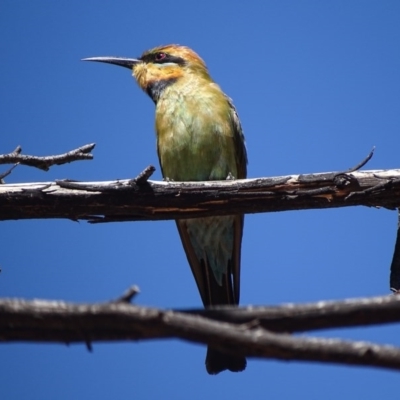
{"x":8,"y":172}
{"x":129,"y":295}
{"x":44,"y":163}
{"x":362,"y":163}
{"x":144,"y":176}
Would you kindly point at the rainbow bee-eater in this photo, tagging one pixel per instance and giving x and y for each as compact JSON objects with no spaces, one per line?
{"x":199,"y":138}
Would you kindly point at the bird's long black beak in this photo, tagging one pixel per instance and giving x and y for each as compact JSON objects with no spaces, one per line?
{"x":123,"y":62}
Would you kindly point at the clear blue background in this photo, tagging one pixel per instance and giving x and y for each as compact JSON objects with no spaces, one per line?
{"x":316,"y":85}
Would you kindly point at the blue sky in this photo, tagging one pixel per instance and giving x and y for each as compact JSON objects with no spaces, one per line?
{"x":316,"y":85}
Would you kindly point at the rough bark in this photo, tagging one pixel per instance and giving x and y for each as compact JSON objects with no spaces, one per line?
{"x":248,"y":331}
{"x":128,"y":200}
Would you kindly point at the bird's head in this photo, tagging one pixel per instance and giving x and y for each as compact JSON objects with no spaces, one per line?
{"x":159,"y":67}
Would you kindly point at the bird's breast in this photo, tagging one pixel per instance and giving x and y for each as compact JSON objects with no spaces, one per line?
{"x":194,"y":135}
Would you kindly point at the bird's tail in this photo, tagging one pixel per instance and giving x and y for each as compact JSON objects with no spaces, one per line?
{"x":217,"y":362}
{"x":198,"y":238}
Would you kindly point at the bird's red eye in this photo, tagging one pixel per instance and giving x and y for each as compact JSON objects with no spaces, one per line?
{"x":160,"y":56}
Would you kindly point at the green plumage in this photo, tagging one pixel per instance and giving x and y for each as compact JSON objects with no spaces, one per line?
{"x":198,"y":133}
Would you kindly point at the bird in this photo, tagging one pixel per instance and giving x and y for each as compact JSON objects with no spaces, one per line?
{"x":199,"y":138}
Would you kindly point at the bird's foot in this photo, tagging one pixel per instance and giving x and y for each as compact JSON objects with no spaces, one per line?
{"x":230,"y":177}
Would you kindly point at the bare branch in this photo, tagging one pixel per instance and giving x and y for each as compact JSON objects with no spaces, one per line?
{"x":134,"y":200}
{"x":284,"y":318}
{"x":395,"y":265}
{"x":313,"y":316}
{"x":8,"y":172}
{"x":44,"y":163}
{"x":144,"y":176}
{"x":129,"y":295}
{"x":362,"y":163}
{"x":246,"y":334}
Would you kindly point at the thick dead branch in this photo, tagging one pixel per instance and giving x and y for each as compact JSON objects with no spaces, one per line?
{"x":248,"y":333}
{"x":291,"y":318}
{"x":139,"y":199}
{"x":44,"y":163}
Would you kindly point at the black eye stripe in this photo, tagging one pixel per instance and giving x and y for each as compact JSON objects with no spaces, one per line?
{"x":162,"y":58}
